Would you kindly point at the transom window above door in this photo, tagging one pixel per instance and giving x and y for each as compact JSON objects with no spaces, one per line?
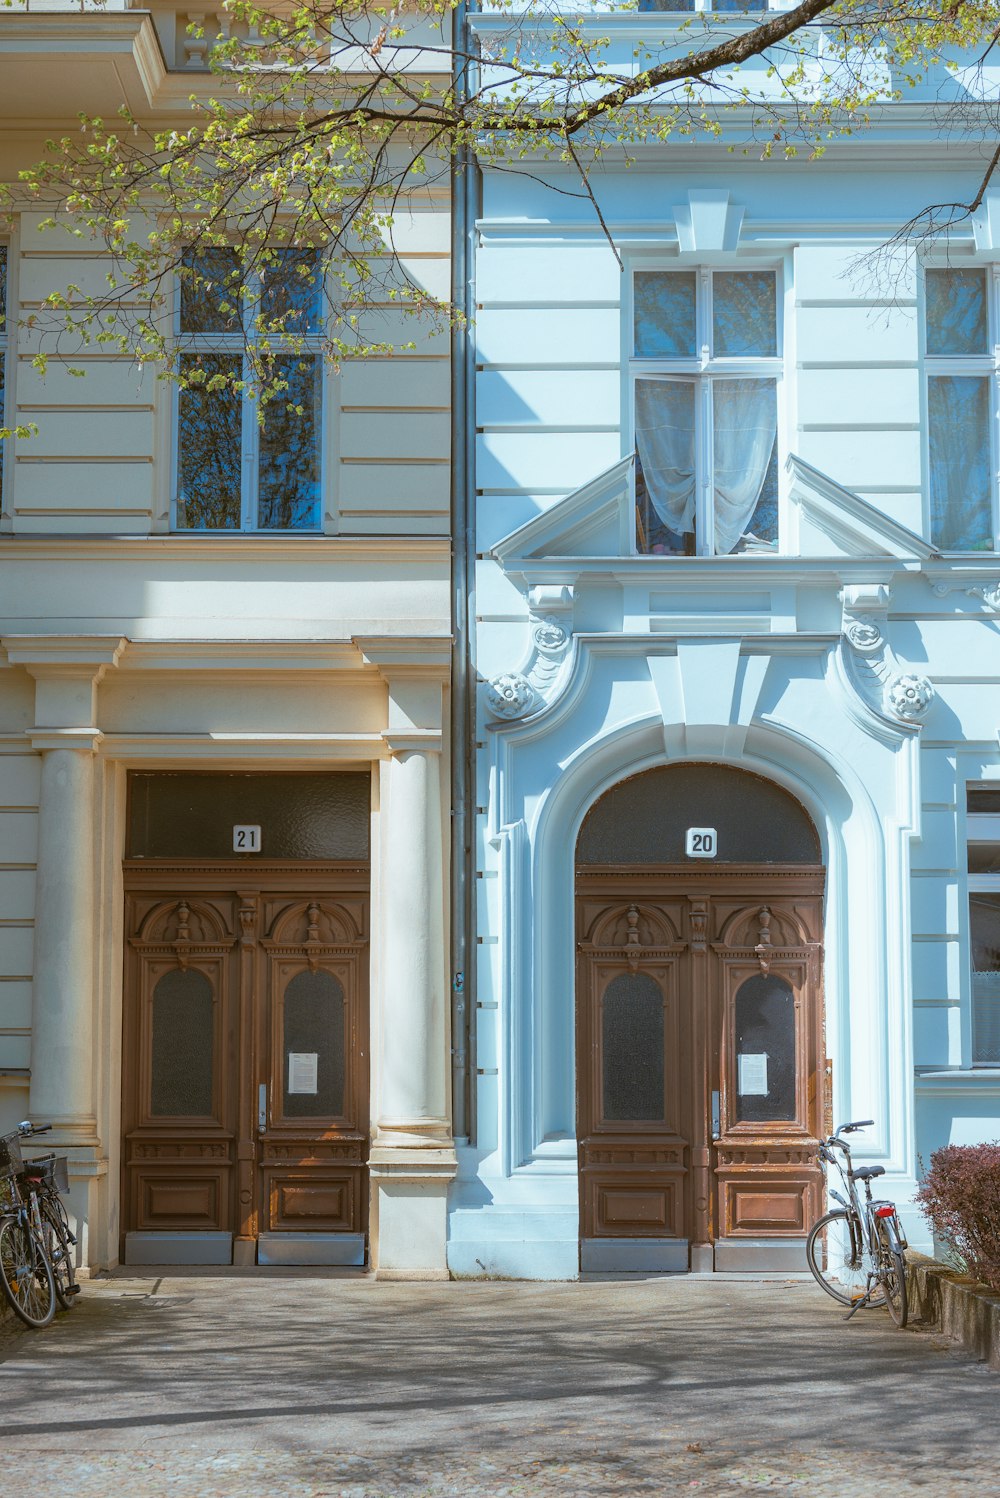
{"x":234,"y":470}
{"x":961,"y":329}
{"x":705,"y":370}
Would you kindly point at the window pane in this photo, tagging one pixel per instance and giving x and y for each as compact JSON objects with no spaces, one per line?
{"x":209,"y":439}
{"x":745,"y":415}
{"x":664,"y":464}
{"x":958,"y":412}
{"x":292,"y":289}
{"x":665,"y":314}
{"x":313,"y":1061}
{"x":289,"y":450}
{"x":666,"y":4}
{"x":765,"y":1050}
{"x":183,"y":1026}
{"x":301,"y":815}
{"x":210,"y":281}
{"x":984,"y":922}
{"x":957,"y":321}
{"x":744,"y":313}
{"x":982,"y":799}
{"x":632,"y":1049}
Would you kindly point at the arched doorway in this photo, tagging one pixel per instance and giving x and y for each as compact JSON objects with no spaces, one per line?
{"x":701,"y":1073}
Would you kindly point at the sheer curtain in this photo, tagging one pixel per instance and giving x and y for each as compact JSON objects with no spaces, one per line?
{"x":664,"y":437}
{"x":745,"y":418}
{"x":958,"y":408}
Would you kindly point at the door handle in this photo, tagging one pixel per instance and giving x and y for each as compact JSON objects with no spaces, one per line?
{"x":716,"y":1116}
{"x":262,"y":1107}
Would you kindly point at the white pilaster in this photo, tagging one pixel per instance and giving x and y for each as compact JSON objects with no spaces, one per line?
{"x":413,"y":1156}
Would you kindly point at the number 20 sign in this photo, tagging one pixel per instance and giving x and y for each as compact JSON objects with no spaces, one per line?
{"x":701,"y":842}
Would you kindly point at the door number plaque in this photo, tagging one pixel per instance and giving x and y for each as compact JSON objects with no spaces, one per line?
{"x":246,"y":839}
{"x":701,"y":842}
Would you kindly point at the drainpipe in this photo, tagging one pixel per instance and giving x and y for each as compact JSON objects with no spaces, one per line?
{"x":463,"y":701}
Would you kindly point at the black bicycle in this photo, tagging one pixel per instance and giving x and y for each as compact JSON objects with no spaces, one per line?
{"x":36,"y":1241}
{"x":856,"y":1251}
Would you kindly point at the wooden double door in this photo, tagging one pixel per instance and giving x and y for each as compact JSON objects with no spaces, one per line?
{"x":245,"y":1064}
{"x":701,"y":1078}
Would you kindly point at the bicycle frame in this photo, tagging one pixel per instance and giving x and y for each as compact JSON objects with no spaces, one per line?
{"x":865,"y":1218}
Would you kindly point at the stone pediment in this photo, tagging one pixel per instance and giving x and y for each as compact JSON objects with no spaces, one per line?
{"x":834,"y":521}
{"x":596,"y":521}
{"x":590,"y":522}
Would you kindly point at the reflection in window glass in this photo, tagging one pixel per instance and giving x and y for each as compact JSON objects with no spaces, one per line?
{"x":664,"y":312}
{"x":632,"y":1049}
{"x":209,"y":447}
{"x":314,"y":1047}
{"x":744,"y":313}
{"x":292,"y":290}
{"x":289,"y":497}
{"x":958,"y":414}
{"x":984,"y":922}
{"x":182,"y":1048}
{"x":957,"y":320}
{"x":210,"y":292}
{"x":765,"y":1040}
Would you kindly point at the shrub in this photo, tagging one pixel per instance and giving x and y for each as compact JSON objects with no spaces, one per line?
{"x":960,"y":1197}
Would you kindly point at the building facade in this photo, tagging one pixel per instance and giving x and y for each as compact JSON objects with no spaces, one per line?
{"x":224,"y":752}
{"x":739,"y":778}
{"x":735,"y":765}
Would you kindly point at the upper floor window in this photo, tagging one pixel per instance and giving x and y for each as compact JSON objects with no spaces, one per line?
{"x":961,"y":370}
{"x":705,"y":369}
{"x":234,"y":470}
{"x":983,"y":828}
{"x":711,"y":5}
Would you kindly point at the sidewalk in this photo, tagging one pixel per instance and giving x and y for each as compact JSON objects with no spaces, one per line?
{"x":296,"y":1385}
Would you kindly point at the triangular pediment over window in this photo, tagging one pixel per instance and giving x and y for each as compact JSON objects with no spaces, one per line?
{"x":597,"y":521}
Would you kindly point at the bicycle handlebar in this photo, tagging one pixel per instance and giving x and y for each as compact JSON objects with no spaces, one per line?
{"x":852,"y":1128}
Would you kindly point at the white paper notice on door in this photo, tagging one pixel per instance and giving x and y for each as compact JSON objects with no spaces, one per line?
{"x":753,"y":1074}
{"x":303,"y":1071}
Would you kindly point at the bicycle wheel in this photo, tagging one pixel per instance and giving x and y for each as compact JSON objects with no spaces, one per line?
{"x":833,"y":1253}
{"x":26,"y":1274}
{"x":892,"y":1276}
{"x":59,"y":1247}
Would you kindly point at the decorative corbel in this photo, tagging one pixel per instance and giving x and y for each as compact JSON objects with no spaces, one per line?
{"x":632,"y":939}
{"x":515,"y":694}
{"x":897,"y":696}
{"x":986,"y":594}
{"x":182,"y":941}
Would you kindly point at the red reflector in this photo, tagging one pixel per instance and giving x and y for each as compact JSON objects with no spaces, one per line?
{"x":885,"y":1211}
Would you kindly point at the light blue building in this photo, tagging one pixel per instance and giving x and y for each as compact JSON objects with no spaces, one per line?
{"x":736,"y":630}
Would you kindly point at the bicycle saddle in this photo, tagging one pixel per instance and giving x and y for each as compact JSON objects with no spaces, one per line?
{"x":868,"y":1172}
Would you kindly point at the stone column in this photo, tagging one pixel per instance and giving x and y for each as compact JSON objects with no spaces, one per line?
{"x":413,"y":1102}
{"x":64,"y":1032}
{"x":413,"y":1157}
{"x":62,"y":1047}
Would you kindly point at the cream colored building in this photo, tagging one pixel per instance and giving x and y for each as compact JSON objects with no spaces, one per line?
{"x":243,"y":1053}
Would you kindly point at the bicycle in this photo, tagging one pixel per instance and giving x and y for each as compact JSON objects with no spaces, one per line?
{"x":36,"y":1242}
{"x":855,"y":1251}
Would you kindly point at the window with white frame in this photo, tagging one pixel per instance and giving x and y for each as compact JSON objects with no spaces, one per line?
{"x":727,"y":6}
{"x":235,"y":471}
{"x":983,"y":831}
{"x":705,"y":370}
{"x":961,"y":368}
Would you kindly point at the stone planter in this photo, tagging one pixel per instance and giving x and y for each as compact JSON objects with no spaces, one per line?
{"x":955,"y":1305}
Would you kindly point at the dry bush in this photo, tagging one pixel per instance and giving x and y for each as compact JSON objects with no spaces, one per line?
{"x":960,"y":1197}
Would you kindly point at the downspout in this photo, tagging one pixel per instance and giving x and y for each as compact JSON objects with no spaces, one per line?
{"x":463,"y":701}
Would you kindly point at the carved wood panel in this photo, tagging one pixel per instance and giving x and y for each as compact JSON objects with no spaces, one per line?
{"x":228,"y":970}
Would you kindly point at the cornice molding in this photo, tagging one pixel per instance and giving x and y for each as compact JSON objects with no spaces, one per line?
{"x":407,"y":550}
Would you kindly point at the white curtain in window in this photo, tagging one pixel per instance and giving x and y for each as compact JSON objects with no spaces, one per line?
{"x":664,"y":437}
{"x":745,"y":419}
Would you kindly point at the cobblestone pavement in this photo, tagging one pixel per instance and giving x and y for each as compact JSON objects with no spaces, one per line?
{"x":297,"y":1385}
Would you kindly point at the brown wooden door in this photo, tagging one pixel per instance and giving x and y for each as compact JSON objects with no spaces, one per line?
{"x":245,"y":1065}
{"x":700,"y":1066}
